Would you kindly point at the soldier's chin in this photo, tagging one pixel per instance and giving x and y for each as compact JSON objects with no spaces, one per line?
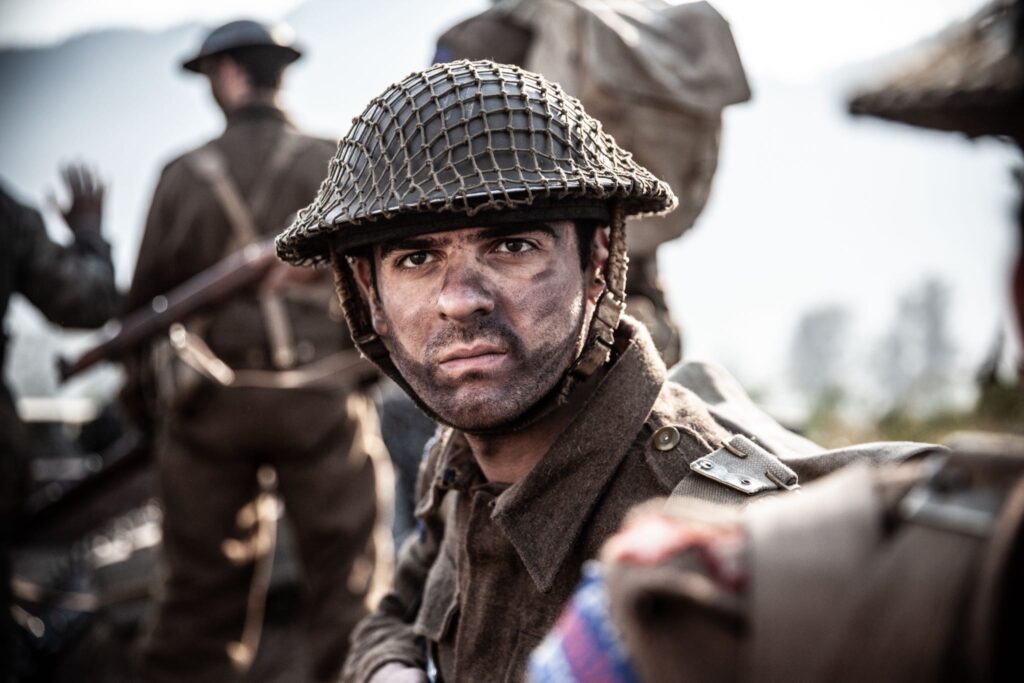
{"x":482,"y":415}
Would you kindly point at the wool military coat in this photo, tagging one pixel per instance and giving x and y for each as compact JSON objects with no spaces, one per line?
{"x":493,"y":565}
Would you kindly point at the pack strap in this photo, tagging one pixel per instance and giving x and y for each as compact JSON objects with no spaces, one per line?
{"x":210,"y":164}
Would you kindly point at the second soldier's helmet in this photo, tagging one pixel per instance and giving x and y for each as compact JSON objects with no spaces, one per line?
{"x":245,"y":33}
{"x":473,"y":143}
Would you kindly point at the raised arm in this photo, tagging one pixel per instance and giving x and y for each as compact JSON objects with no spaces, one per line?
{"x":73,"y":286}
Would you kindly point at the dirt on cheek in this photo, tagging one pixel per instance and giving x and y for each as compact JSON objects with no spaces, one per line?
{"x":550,"y":301}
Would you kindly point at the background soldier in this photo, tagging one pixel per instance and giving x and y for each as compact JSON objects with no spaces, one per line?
{"x":267,"y":378}
{"x":72,"y":286}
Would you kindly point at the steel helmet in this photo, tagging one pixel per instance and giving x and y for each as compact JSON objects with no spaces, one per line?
{"x":245,"y":33}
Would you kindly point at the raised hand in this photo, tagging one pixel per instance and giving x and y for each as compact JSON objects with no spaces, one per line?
{"x":85,"y":208}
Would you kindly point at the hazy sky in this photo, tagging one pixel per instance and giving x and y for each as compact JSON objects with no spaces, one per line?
{"x":810,"y":207}
{"x":787,"y":39}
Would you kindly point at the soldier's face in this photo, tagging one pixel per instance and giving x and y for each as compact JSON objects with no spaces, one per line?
{"x":482,"y":322}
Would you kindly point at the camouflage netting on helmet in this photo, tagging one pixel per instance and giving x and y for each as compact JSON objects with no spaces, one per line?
{"x":462,"y":141}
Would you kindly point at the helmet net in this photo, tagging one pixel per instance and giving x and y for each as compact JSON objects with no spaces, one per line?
{"x":474,"y":143}
{"x":462,"y":141}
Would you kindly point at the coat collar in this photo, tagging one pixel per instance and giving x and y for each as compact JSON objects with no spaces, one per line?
{"x":257,"y":112}
{"x":544,"y":513}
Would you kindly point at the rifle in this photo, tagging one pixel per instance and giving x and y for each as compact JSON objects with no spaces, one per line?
{"x":236,"y":272}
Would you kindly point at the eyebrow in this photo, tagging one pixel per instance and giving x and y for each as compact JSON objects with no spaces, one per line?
{"x":412,"y":244}
{"x":485,"y":233}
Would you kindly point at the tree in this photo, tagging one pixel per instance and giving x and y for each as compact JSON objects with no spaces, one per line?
{"x":915,"y":358}
{"x":817,"y":353}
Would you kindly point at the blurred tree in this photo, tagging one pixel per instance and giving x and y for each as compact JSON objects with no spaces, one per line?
{"x":817,"y":353}
{"x":915,"y":358}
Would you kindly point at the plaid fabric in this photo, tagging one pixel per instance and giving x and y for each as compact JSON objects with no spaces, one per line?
{"x":463,"y":140}
{"x":584,"y":646}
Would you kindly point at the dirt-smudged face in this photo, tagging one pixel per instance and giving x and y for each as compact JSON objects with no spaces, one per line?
{"x":482,"y":322}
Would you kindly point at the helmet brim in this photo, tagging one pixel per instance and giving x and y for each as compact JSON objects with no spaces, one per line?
{"x":195,"y":65}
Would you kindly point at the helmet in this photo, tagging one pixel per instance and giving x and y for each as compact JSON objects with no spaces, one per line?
{"x":473,"y":143}
{"x":460,"y":144}
{"x":245,"y":33}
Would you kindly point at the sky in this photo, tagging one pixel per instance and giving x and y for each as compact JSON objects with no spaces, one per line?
{"x":791,"y":40}
{"x":810,"y":207}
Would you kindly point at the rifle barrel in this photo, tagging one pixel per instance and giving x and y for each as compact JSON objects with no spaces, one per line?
{"x":236,"y":272}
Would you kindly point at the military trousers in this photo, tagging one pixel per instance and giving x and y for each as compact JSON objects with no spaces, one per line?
{"x":320,"y":443}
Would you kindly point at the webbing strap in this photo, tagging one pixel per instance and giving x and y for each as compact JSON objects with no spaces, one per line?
{"x":210,"y":164}
{"x":607,"y":312}
{"x":288,"y":147}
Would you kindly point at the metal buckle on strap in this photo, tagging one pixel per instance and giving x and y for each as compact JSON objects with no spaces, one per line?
{"x":781,"y":484}
{"x":744,"y":466}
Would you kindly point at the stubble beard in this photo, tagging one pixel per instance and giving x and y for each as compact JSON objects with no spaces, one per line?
{"x":498,"y":402}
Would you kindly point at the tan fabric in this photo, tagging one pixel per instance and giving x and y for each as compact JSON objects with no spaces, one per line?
{"x":678,"y":620}
{"x":656,"y":74}
{"x":903,"y":572}
{"x":830,"y":527}
{"x":731,"y":405}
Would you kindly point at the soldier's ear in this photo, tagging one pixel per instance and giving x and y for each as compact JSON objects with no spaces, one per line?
{"x":598,"y":261}
{"x":366,"y":279}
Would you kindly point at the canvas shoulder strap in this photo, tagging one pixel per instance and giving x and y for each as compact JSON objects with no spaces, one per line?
{"x":209,"y":163}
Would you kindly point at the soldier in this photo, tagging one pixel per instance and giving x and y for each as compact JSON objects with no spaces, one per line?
{"x":263,"y":380}
{"x":474,"y":218}
{"x":72,"y":286}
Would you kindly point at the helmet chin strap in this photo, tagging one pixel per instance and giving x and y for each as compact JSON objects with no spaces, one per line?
{"x":607,"y":312}
{"x":596,"y":350}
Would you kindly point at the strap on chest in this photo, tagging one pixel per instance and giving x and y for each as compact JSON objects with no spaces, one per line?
{"x":210,"y":164}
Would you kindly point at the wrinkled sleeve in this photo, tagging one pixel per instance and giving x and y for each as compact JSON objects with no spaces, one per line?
{"x":72,"y":286}
{"x":387,"y":634}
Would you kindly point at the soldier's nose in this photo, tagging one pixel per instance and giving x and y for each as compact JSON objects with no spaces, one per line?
{"x":464,"y":295}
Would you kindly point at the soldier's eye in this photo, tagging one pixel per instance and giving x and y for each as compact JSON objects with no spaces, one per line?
{"x":415,"y":259}
{"x":514,"y":246}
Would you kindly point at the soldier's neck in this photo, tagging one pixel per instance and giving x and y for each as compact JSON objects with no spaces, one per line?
{"x":267,"y":98}
{"x":507,"y":458}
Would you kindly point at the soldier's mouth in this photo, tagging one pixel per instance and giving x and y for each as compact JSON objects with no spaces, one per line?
{"x":472,"y":358}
